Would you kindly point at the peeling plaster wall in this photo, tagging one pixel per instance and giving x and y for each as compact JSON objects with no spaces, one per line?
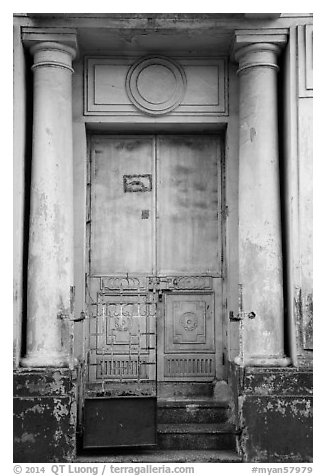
{"x":274,"y":408}
{"x":45,"y":415}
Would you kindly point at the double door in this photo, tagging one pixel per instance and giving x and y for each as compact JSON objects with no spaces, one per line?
{"x":154,"y":280}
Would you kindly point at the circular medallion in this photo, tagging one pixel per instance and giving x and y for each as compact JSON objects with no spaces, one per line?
{"x":189,"y":321}
{"x":156,"y":85}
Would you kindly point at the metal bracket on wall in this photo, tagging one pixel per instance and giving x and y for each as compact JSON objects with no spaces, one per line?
{"x":63,"y":316}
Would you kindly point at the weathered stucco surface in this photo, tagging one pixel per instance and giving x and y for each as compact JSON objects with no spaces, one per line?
{"x":45,"y":415}
{"x":274,"y":407}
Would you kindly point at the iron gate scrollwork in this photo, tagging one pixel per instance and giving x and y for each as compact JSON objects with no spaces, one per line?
{"x":121,"y":357}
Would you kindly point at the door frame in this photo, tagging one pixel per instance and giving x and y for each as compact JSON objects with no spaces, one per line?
{"x":221,"y":224}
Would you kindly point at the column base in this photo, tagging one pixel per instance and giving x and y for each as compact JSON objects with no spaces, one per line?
{"x":45,"y":415}
{"x":262,"y":361}
{"x":274,"y":413}
{"x":42,"y":359}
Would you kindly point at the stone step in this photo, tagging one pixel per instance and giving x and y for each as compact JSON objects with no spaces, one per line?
{"x":184,"y":389}
{"x":160,"y":456}
{"x":192,"y":411}
{"x":196,"y":436}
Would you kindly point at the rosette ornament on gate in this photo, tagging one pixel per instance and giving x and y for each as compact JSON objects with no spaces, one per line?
{"x":156,"y":85}
{"x":189,"y":321}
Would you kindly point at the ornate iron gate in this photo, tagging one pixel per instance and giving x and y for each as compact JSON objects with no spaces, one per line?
{"x":121,"y":356}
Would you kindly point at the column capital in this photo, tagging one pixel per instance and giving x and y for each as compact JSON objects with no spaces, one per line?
{"x":258,"y":47}
{"x":49,"y":53}
{"x":257,"y":55}
{"x":56,"y":39}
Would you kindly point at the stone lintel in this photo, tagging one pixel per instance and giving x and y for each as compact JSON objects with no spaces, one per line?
{"x":66,"y":36}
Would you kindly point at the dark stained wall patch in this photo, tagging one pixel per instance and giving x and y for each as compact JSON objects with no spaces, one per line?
{"x":137,"y":183}
{"x":145,"y":214}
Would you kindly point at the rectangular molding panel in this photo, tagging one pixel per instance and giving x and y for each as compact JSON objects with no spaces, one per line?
{"x":111,"y":82}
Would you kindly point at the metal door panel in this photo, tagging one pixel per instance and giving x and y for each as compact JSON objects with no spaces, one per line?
{"x":189,"y":323}
{"x":122,"y":202}
{"x":121,"y":347}
{"x":189,"y":330}
{"x":188,"y":200}
{"x":189,"y":248}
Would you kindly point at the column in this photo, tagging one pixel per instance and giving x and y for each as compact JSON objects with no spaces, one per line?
{"x":260,"y":239}
{"x":50,"y":256}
